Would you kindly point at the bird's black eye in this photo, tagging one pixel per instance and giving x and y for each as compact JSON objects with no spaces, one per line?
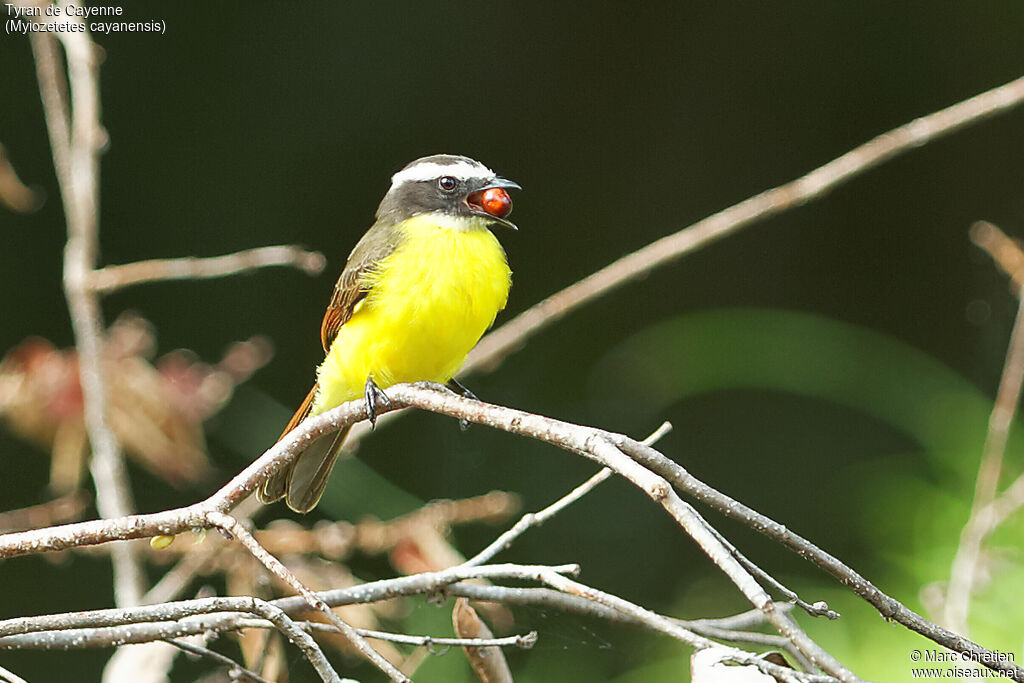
{"x":447,"y":183}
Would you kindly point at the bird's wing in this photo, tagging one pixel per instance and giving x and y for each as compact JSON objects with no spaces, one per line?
{"x":376,"y":245}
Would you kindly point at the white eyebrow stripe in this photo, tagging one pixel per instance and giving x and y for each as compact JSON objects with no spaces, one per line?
{"x":430,"y":170}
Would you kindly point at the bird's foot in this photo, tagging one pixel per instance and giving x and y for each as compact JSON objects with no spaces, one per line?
{"x":375,"y":399}
{"x":457,"y":386}
{"x":460,"y":389}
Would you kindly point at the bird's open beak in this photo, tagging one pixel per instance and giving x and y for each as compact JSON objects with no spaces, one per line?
{"x":504,"y":184}
{"x":478,"y":206}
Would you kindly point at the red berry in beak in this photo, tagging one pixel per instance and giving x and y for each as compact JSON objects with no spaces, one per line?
{"x":496,"y":202}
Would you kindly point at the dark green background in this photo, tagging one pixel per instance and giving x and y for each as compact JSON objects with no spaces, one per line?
{"x":258,"y":123}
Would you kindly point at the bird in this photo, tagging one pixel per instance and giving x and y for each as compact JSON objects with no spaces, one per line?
{"x":417,"y":292}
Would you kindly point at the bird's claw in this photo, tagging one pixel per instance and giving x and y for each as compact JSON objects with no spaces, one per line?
{"x":457,"y":387}
{"x":375,"y":399}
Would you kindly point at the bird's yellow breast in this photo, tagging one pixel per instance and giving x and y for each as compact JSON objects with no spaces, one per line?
{"x":428,"y":304}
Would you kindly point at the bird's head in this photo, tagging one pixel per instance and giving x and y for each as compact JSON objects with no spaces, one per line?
{"x":467,"y":193}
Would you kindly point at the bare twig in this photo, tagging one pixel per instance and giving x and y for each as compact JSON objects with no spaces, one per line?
{"x":56,"y":511}
{"x":534,"y":519}
{"x":735,"y":629}
{"x":77,"y":139}
{"x":234,"y":667}
{"x":14,"y":193}
{"x":53,"y":89}
{"x":488,"y":662}
{"x":111,"y":278}
{"x":818,"y":609}
{"x":9,"y":676}
{"x":110,"y":627}
{"x":1005,"y":251}
{"x":524,"y":642}
{"x":981,"y":520}
{"x":1009,"y":502}
{"x":104,"y":628}
{"x":298,"y":637}
{"x":670,"y":627}
{"x":174,"y":582}
{"x":887,"y":606}
{"x":231,"y":526}
{"x":514,"y":334}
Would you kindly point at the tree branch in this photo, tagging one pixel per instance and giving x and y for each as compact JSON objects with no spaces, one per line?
{"x":15,"y":194}
{"x":77,"y":139}
{"x":982,"y":518}
{"x":887,"y":606}
{"x":9,"y":676}
{"x":534,"y":519}
{"x":729,"y":629}
{"x":511,"y":336}
{"x":1004,"y":251}
{"x":109,"y":627}
{"x":105,"y":628}
{"x":604,"y":447}
{"x":674,"y":629}
{"x":112,"y":278}
{"x":231,"y":526}
{"x":235,"y":669}
{"x":980,"y":521}
{"x":298,"y":637}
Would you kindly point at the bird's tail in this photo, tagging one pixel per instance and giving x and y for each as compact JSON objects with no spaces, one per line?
{"x":303,"y":481}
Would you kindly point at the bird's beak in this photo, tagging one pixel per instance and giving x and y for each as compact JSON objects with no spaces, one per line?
{"x":477,"y":209}
{"x":503,"y":183}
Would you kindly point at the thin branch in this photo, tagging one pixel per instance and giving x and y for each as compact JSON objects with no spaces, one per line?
{"x":298,"y":637}
{"x":110,"y":627}
{"x":546,"y":597}
{"x":112,"y":278}
{"x":76,"y":140}
{"x":213,"y":615}
{"x":511,"y":336}
{"x":104,"y":628}
{"x":64,"y":509}
{"x":488,"y":663}
{"x":178,"y":520}
{"x":9,"y":676}
{"x":236,"y":670}
{"x":672,"y":628}
{"x":887,"y":606}
{"x":1009,"y":502}
{"x":15,"y":194}
{"x":196,"y":560}
{"x":981,"y":520}
{"x":818,"y":609}
{"x":231,"y":526}
{"x":53,"y":90}
{"x":535,"y":519}
{"x":729,"y":629}
{"x":523,"y":642}
{"x":1005,"y":251}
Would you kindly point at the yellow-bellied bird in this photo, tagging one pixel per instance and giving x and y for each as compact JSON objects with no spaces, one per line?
{"x":417,"y":293}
